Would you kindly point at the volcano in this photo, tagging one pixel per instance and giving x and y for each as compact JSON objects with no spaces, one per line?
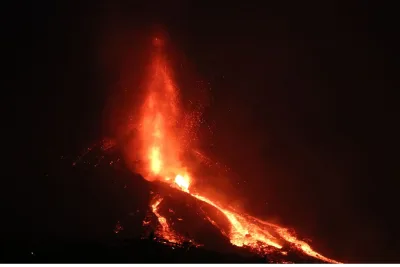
{"x":164,"y":136}
{"x":179,"y":220}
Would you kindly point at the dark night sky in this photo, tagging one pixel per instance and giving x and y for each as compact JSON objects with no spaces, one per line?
{"x":302,"y":101}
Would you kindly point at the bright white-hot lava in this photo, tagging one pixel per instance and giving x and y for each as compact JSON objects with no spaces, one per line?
{"x":182,"y":182}
{"x":161,"y":137}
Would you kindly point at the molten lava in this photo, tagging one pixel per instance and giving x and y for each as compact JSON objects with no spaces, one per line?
{"x":166,"y":232}
{"x":162,"y":140}
{"x":182,"y":182}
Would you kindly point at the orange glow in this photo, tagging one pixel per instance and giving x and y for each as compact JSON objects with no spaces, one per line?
{"x":155,"y":160}
{"x":159,"y":116}
{"x":162,"y":144}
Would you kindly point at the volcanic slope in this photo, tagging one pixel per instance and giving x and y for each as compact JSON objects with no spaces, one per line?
{"x":105,"y":210}
{"x":198,"y":225}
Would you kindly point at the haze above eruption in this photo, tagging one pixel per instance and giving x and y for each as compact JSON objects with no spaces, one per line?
{"x":165,"y":134}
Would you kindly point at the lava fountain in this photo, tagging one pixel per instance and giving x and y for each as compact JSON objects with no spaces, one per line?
{"x":161,"y":138}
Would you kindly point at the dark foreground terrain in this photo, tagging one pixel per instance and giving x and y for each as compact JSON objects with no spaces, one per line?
{"x":133,"y":251}
{"x":129,"y":251}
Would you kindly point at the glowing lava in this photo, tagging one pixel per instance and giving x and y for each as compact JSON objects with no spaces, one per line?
{"x":182,"y":182}
{"x":162,"y":147}
{"x":166,"y":231}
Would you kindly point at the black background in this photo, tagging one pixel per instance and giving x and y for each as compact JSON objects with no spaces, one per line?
{"x":302,"y":99}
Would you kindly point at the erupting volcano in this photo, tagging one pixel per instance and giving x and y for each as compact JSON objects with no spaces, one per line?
{"x":164,"y":138}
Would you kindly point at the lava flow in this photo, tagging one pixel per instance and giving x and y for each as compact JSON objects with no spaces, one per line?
{"x":167,"y":233}
{"x":162,"y":135}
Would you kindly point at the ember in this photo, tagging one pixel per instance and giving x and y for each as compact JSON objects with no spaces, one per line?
{"x":118,"y":228}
